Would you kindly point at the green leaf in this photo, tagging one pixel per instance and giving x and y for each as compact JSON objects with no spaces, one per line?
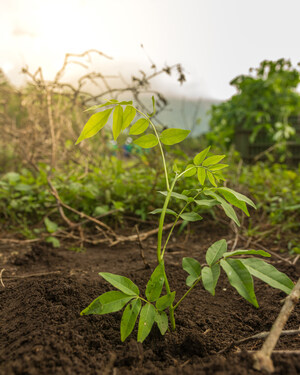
{"x":199,"y":158}
{"x":129,"y":318}
{"x":191,"y":266}
{"x":165,"y":301}
{"x":231,"y":198}
{"x":122,"y":283}
{"x":201,"y":175}
{"x":128,"y":116}
{"x":191,"y":216}
{"x":211,"y":178}
{"x":175,"y":195}
{"x":215,"y":252}
{"x":107,"y":303}
{"x":54,"y":241}
{"x":117,"y":121}
{"x":210,"y":277}
{"x":190,"y":280}
{"x":95,"y":123}
{"x":155,"y":284}
{"x":191,"y":172}
{"x":154,"y":109}
{"x":206,"y":202}
{"x":246,"y":252}
{"x":159,"y":210}
{"x":172,"y":136}
{"x":240,"y":278}
{"x":50,"y":225}
{"x":229,"y":211}
{"x":146,"y":141}
{"x":147,"y":317}
{"x":238,"y":196}
{"x":161,"y":320}
{"x":218,"y":167}
{"x":139,"y":127}
{"x":213,"y":160}
{"x":269,"y":274}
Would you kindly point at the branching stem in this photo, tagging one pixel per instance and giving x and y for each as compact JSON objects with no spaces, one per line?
{"x":188,"y":292}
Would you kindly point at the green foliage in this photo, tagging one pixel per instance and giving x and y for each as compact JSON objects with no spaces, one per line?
{"x":263,"y":104}
{"x":239,"y":271}
{"x":276,"y":189}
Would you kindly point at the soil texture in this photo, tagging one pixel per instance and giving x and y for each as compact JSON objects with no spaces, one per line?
{"x":42,"y":331}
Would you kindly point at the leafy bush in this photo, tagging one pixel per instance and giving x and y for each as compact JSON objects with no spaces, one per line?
{"x":264,"y":103}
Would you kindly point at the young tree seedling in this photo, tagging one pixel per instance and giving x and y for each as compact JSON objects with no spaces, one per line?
{"x":207,"y":193}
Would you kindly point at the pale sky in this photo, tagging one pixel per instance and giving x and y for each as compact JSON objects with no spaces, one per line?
{"x":214,"y":40}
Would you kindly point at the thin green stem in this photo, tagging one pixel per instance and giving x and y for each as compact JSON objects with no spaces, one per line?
{"x":187,"y":293}
{"x":161,"y":222}
{"x":160,"y":146}
{"x":174,"y":224}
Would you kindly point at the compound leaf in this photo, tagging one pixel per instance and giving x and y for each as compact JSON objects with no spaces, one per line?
{"x":190,"y":216}
{"x":161,"y":320}
{"x":210,"y":277}
{"x":146,"y":141}
{"x":229,"y":211}
{"x":95,"y":123}
{"x":128,"y":116}
{"x":122,"y":283}
{"x":240,"y":197}
{"x":139,"y":127}
{"x":107,"y":303}
{"x":206,"y":202}
{"x":129,"y":318}
{"x":155,"y":284}
{"x":218,"y":167}
{"x":240,"y":278}
{"x":117,"y":121}
{"x":201,"y":175}
{"x":172,"y":136}
{"x":147,"y":317}
{"x":211,"y":178}
{"x":215,"y":252}
{"x":199,"y":158}
{"x":213,"y":160}
{"x":191,"y":172}
{"x":269,"y":274}
{"x":191,"y":266}
{"x":246,"y":252}
{"x":165,"y":301}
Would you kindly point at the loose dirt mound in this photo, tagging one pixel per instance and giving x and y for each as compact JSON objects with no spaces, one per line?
{"x":43,"y":333}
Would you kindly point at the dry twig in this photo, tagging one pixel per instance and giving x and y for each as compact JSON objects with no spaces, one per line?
{"x":146,"y":264}
{"x":1,"y":281}
{"x":258,"y":336}
{"x":262,"y":358}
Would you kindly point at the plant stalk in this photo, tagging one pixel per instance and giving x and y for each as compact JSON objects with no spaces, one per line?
{"x":187,"y":293}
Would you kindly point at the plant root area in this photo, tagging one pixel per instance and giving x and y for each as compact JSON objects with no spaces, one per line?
{"x":44,"y":290}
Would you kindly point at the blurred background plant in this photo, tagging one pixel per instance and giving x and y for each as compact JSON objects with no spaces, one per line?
{"x":48,"y":187}
{"x":263,"y":116}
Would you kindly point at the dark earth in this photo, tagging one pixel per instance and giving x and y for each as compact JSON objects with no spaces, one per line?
{"x":42,"y":331}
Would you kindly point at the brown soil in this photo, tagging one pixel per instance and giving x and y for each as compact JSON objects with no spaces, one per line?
{"x":41,"y":331}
